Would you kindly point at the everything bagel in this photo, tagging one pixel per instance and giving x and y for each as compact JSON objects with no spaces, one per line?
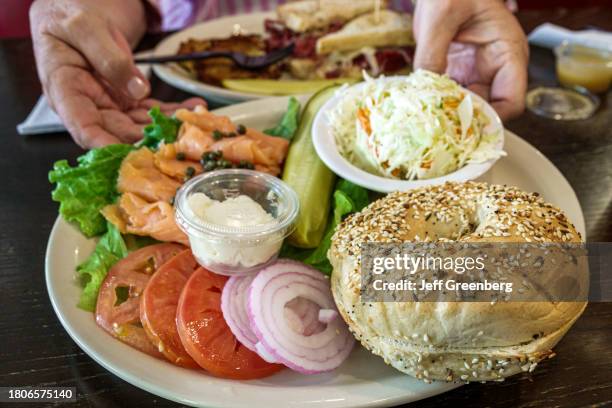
{"x":453,"y":341}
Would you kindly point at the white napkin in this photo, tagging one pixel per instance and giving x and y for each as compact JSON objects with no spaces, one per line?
{"x":550,"y":35}
{"x":43,"y":119}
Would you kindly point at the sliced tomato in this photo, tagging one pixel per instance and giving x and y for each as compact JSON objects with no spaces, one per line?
{"x":158,"y":305}
{"x":206,"y":336}
{"x":121,"y":316}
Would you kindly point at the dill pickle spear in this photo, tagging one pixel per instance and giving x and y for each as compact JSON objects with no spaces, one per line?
{"x":309,"y":177}
{"x":283,"y":87}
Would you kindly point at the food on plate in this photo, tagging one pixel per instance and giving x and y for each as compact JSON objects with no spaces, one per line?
{"x":159,"y":300}
{"x":206,"y":336}
{"x":416,"y":127}
{"x":285,"y":87}
{"x":140,"y":174}
{"x":162,"y":129}
{"x":147,"y":181}
{"x":234,"y":212}
{"x":306,"y":174}
{"x":84,"y":189}
{"x":203,"y":132}
{"x":236,"y":219}
{"x":453,"y":341}
{"x":173,"y":302}
{"x":289,"y":122}
{"x":111,"y":247}
{"x":384,"y":29}
{"x":118,"y":306}
{"x":334,"y":39}
{"x":347,"y":198}
{"x":234,"y":306}
{"x":239,"y":211}
{"x":341,"y":38}
{"x":108,"y":196}
{"x":134,"y":215}
{"x":310,"y":15}
{"x":285,"y":302}
{"x":158,"y":306}
{"x":171,"y":162}
{"x":215,"y":70}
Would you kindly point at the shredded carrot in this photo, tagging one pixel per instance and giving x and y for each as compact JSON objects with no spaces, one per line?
{"x":451,"y":103}
{"x":426,"y":164}
{"x":363,"y":114}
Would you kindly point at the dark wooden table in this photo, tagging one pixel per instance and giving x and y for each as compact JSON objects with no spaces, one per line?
{"x":35,"y":349}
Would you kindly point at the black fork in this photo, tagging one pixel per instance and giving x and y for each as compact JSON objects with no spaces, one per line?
{"x":242,"y":60}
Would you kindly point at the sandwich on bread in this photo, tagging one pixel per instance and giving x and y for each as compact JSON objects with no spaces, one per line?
{"x":341,"y":38}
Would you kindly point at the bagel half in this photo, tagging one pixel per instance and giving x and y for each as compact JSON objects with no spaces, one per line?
{"x":453,"y":341}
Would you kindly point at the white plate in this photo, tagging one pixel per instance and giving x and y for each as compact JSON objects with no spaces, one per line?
{"x":219,"y":28}
{"x":327,"y":149}
{"x":362,"y":381}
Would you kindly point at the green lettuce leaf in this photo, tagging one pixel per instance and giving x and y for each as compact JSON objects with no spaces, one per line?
{"x":359,"y":196}
{"x":135,"y":242}
{"x":84,"y":189}
{"x":162,"y":128}
{"x":288,"y":124}
{"x":109,"y":250}
{"x":348,"y":198}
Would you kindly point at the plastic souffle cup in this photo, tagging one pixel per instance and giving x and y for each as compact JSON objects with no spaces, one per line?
{"x":237,"y":250}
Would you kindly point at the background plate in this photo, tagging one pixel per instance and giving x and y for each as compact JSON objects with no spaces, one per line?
{"x":218,"y":28}
{"x":362,"y":381}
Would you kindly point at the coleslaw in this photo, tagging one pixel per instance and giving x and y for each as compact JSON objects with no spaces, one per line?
{"x":417,"y":127}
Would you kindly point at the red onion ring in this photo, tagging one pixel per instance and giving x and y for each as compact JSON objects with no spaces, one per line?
{"x":309,"y":347}
{"x":234,"y":308}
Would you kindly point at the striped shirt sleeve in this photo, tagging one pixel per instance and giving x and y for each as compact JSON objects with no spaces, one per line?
{"x":169,"y":15}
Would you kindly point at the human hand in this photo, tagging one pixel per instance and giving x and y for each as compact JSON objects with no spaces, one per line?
{"x":480,"y":44}
{"x":86,"y":68}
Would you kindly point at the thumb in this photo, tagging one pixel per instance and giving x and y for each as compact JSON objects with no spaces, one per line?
{"x":108,"y":52}
{"x":434,"y":29}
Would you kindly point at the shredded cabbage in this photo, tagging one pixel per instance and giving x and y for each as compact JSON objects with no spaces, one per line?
{"x":416,"y":127}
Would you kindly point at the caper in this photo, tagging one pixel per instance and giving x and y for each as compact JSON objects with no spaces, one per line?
{"x":245,"y":164}
{"x":210,"y":166}
{"x":189,"y":172}
{"x":180,"y":156}
{"x":207,"y":156}
{"x":231,"y":134}
{"x":224,"y":164}
{"x":217,"y":135}
{"x":241,"y":129}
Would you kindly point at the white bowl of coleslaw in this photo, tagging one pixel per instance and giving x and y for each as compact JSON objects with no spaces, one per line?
{"x":405,"y":132}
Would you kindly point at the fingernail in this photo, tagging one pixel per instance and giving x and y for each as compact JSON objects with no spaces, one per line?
{"x":137,"y":88}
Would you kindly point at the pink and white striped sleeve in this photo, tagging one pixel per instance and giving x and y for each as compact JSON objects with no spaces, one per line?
{"x":169,"y":15}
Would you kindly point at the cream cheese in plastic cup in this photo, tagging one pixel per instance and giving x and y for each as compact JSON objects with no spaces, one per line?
{"x":236,"y":237}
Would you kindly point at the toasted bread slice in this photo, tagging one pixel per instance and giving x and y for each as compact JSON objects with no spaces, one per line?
{"x":391,"y":30}
{"x":309,"y":15}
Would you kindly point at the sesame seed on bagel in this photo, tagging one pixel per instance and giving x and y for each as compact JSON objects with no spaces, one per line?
{"x":453,"y":341}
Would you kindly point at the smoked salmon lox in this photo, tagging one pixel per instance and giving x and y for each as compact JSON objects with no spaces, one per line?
{"x":148,"y":180}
